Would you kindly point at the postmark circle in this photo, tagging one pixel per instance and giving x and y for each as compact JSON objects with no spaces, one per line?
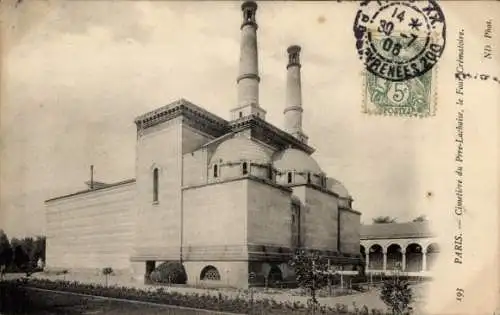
{"x":399,"y":40}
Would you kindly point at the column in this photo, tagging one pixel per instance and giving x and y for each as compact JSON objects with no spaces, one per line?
{"x":403,"y":260}
{"x":424,"y":261}
{"x":384,"y":251}
{"x":367,"y":261}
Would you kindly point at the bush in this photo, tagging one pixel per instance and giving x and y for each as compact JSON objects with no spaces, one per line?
{"x":397,"y":295}
{"x":171,"y":272}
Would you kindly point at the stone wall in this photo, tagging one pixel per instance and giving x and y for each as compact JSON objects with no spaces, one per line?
{"x":318,"y":215}
{"x":91,"y":230}
{"x":269,"y":215}
{"x":158,"y":223}
{"x":349,"y":231}
{"x":232,"y":273}
{"x":195,"y":168}
{"x":214,"y":220}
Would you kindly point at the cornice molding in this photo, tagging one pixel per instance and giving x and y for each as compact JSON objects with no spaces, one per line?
{"x":248,"y":252}
{"x":269,"y":133}
{"x":192,"y":115}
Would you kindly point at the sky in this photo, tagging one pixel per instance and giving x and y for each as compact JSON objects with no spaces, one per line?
{"x":76,"y":74}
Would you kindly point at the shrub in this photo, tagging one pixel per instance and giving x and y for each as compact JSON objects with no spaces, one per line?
{"x":171,"y":272}
{"x":311,"y":273}
{"x":206,"y":301}
{"x":397,"y":295}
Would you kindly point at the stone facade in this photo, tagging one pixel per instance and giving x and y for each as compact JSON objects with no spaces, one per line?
{"x":92,"y":230}
{"x":230,"y":200}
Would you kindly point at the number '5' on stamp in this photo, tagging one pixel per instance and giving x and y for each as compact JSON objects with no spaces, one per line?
{"x":413,"y":97}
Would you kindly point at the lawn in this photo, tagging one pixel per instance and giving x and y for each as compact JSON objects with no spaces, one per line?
{"x":28,"y":301}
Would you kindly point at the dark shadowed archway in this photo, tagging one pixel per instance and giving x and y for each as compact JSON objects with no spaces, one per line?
{"x":376,"y":256}
{"x":394,"y":257}
{"x":275,"y":276}
{"x":414,"y":258}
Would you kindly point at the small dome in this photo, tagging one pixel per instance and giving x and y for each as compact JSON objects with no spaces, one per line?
{"x":296,"y":160}
{"x":337,"y":187}
{"x":240,"y":148}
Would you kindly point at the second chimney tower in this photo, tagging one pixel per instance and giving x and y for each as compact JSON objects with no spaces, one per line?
{"x":293,"y":106}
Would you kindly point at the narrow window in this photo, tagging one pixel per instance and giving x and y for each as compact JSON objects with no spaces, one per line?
{"x":308,"y":178}
{"x":245,"y":168}
{"x":289,"y":177}
{"x":155,"y":185}
{"x":270,"y":172}
{"x":248,"y":15}
{"x":216,"y":171}
{"x":241,"y":114}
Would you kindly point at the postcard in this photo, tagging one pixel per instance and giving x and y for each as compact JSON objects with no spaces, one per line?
{"x":250,"y":157}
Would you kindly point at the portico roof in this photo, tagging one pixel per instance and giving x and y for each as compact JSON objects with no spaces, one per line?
{"x":395,"y":230}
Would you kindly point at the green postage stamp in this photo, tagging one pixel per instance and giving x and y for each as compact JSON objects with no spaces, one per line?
{"x":413,"y":97}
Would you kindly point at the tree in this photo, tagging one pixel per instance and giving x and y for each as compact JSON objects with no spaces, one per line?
{"x":5,"y":249}
{"x":106,"y":272}
{"x":5,"y":252}
{"x":383,"y":219}
{"x":311,"y":272}
{"x":20,"y":257}
{"x":28,"y":246}
{"x":397,"y":295}
{"x":39,"y":248}
{"x":420,"y":218}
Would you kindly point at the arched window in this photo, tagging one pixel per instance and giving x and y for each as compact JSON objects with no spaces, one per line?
{"x":216,"y":171}
{"x":289,"y":177}
{"x":245,"y":168}
{"x":210,"y":273}
{"x":155,"y":185}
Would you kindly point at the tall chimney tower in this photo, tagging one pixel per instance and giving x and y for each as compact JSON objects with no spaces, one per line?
{"x":248,"y":78}
{"x":293,"y":107}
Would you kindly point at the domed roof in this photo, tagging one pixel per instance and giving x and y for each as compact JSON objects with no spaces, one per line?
{"x":296,"y":160}
{"x":337,"y":187}
{"x":240,"y":148}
